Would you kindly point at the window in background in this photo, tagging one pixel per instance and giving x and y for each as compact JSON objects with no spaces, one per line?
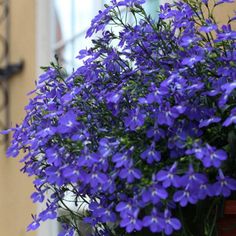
{"x":71,"y":19}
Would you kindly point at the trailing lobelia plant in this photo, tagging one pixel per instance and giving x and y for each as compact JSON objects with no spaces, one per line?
{"x":142,"y":135}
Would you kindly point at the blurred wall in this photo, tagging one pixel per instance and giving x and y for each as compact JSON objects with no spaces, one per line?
{"x":16,"y":188}
{"x":224,"y":11}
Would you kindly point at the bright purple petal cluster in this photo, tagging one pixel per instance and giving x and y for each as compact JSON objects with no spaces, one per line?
{"x":145,"y":127}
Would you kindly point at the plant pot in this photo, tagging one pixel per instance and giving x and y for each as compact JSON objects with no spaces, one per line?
{"x":227,"y":224}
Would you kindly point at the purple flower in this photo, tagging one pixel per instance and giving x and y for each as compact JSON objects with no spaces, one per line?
{"x":154,"y":193}
{"x":107,"y":216}
{"x":53,"y":156}
{"x":34,"y":225}
{"x":104,"y":213}
{"x":171,"y":224}
{"x":38,"y":196}
{"x":49,"y":131}
{"x":188,"y":40}
{"x":197,"y":150}
{"x":12,"y":151}
{"x":169,"y":177}
{"x":49,"y":75}
{"x":213,"y":157}
{"x":190,"y":61}
{"x":106,"y":146}
{"x":156,"y":132}
{"x":204,"y":191}
{"x":228,"y":33}
{"x":130,"y":173}
{"x":114,"y":97}
{"x":155,"y":222}
{"x":127,"y":131}
{"x":67,"y":232}
{"x":67,"y":122}
{"x":73,"y":174}
{"x":223,"y":186}
{"x":96,"y":178}
{"x":88,"y":159}
{"x":208,"y":28}
{"x":174,"y":84}
{"x":7,"y":131}
{"x":156,"y":94}
{"x":204,"y":123}
{"x":49,"y":213}
{"x":130,"y":2}
{"x":131,"y":222}
{"x":93,"y":221}
{"x":231,"y":119}
{"x":54,"y":175}
{"x":209,"y":155}
{"x":166,"y":114}
{"x":124,"y":208}
{"x":185,"y":196}
{"x":68,"y":97}
{"x":228,"y":87}
{"x":151,"y":155}
{"x":121,"y":159}
{"x":99,"y":22}
{"x":135,"y":119}
{"x":192,"y":179}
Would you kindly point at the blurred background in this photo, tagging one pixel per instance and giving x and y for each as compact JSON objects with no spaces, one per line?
{"x":31,"y":33}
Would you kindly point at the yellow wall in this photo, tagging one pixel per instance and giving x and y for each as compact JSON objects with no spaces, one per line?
{"x":224,"y":11}
{"x":16,"y":188}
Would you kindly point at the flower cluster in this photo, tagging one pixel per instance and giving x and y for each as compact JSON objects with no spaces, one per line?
{"x":144,"y":128}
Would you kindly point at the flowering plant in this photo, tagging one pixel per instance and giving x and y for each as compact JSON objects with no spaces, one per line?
{"x":143,"y":133}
